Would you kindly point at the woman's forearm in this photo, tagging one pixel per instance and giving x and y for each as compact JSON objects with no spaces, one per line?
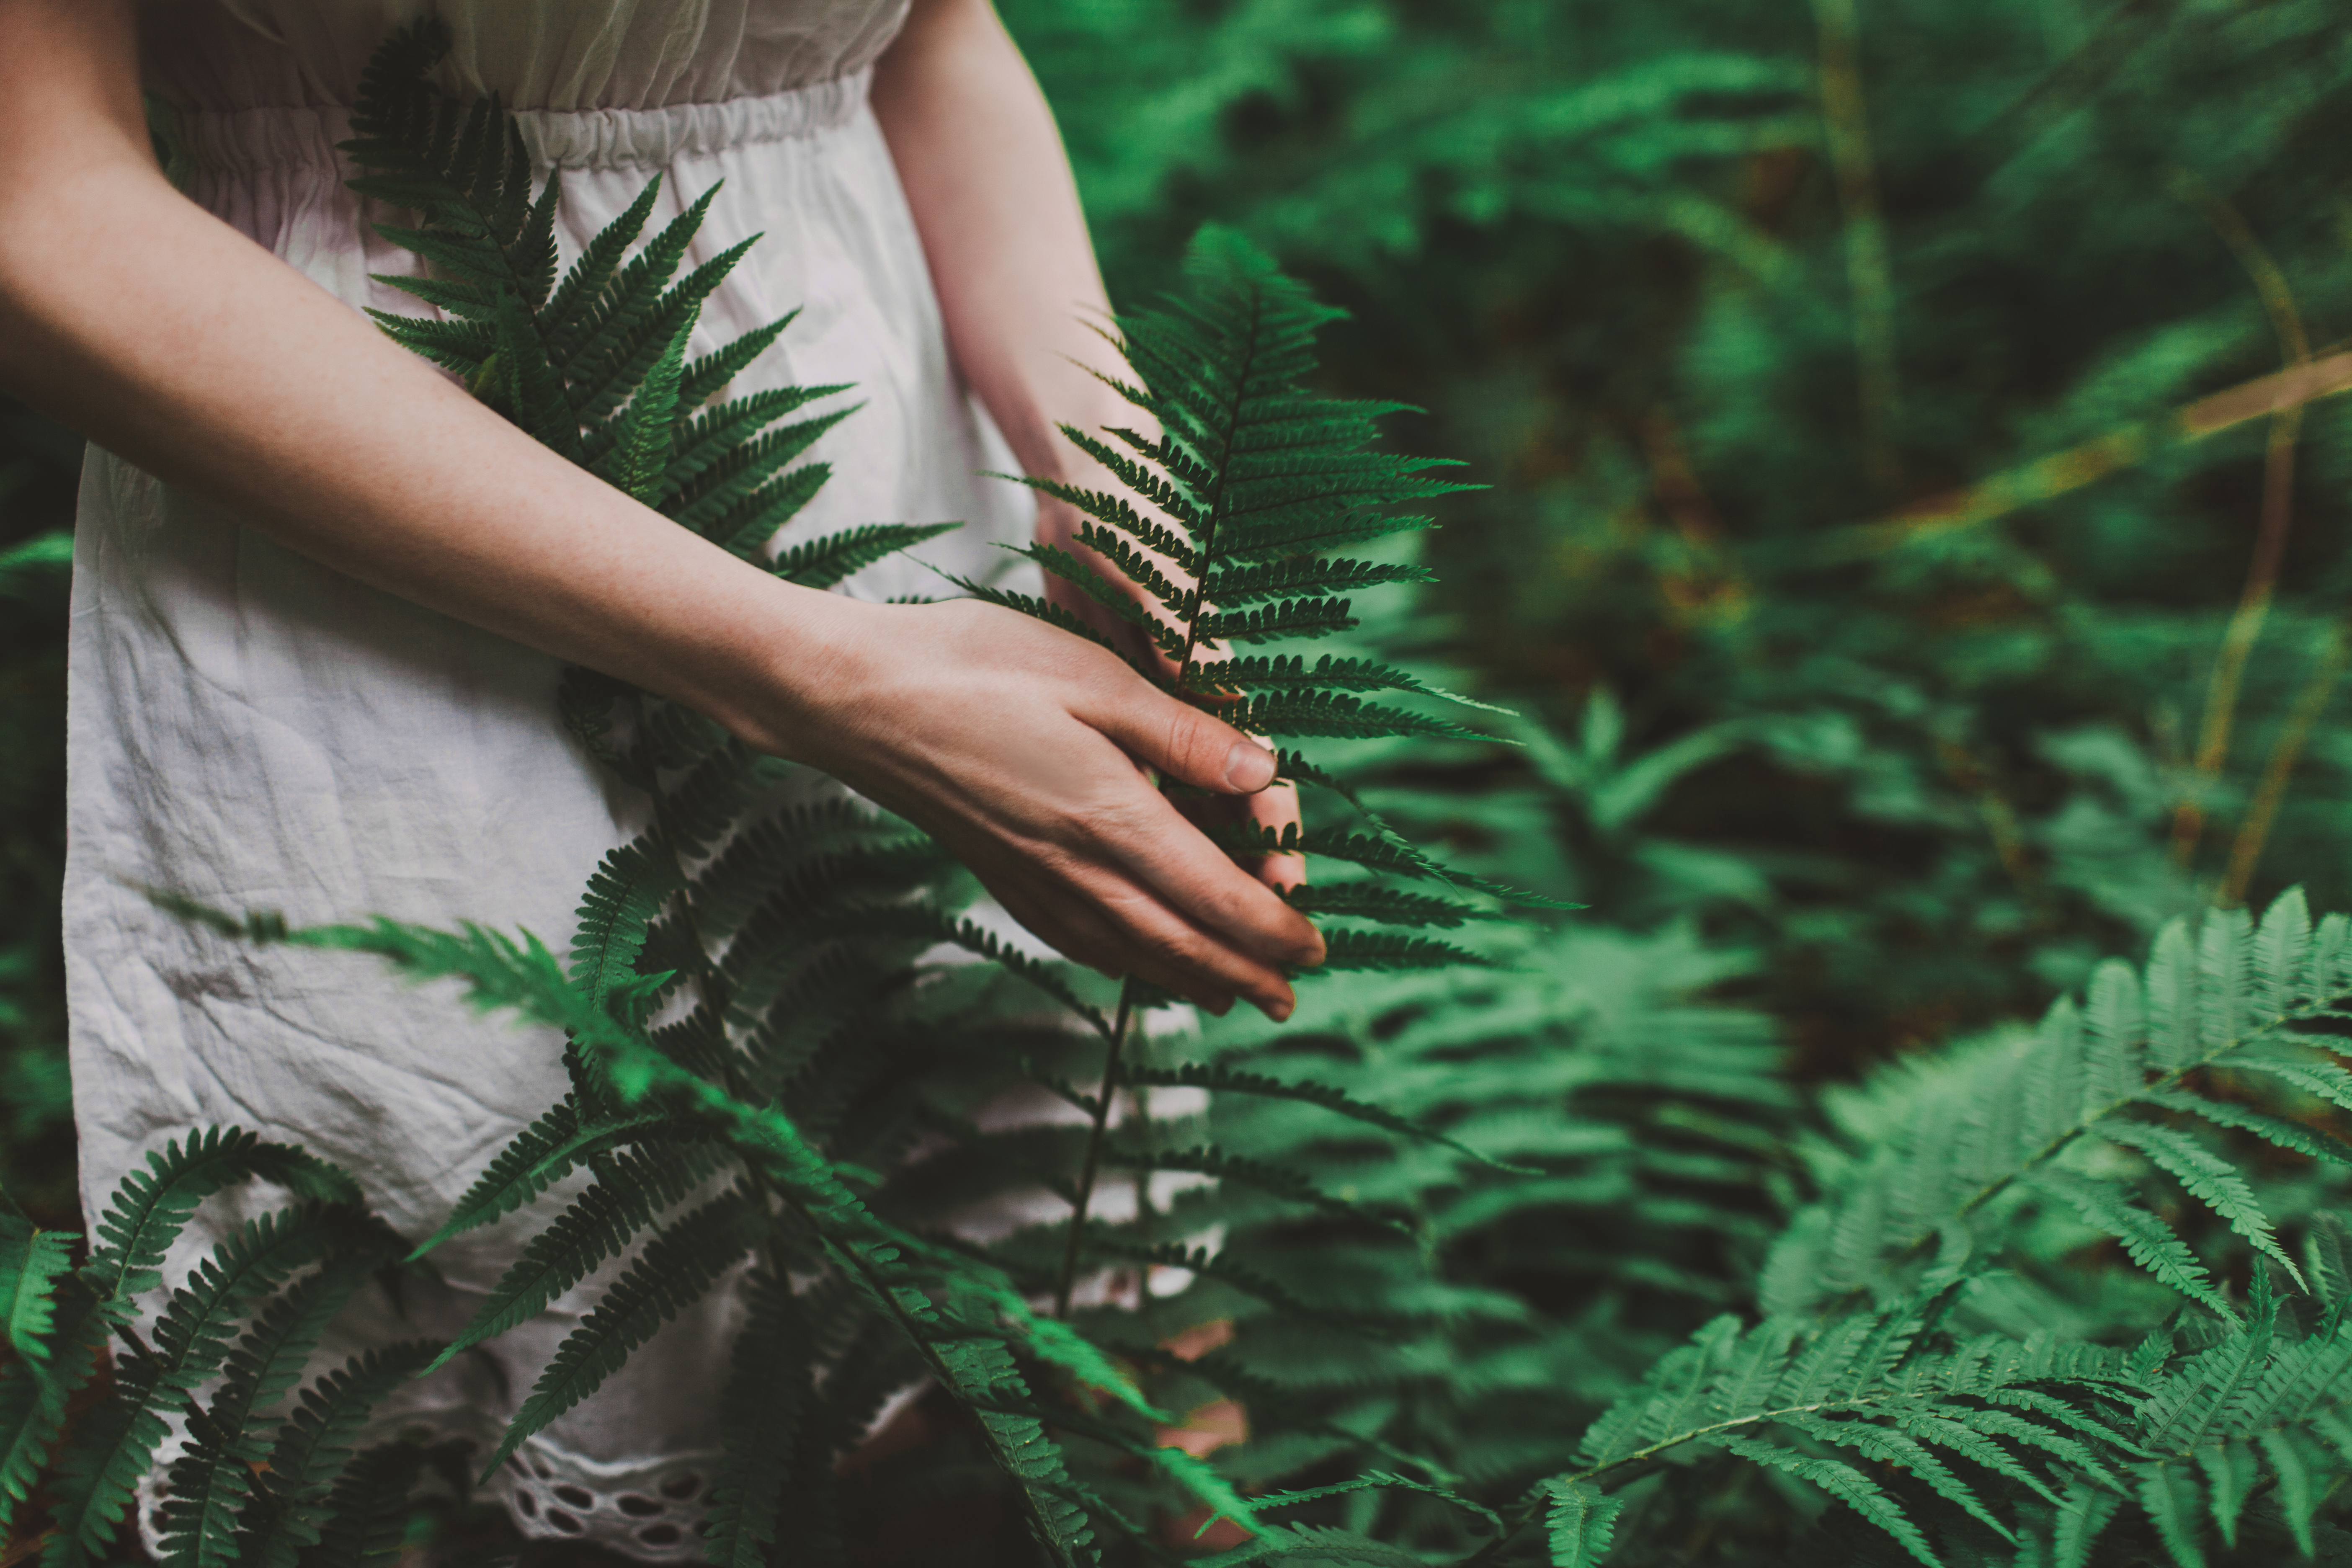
{"x":994,"y":198}
{"x":165,"y":335}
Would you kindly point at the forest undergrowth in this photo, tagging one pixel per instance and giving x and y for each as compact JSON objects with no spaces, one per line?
{"x":1914,"y":541}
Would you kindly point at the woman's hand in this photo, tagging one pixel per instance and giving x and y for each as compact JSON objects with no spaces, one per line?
{"x":1021,"y":749}
{"x":1059,"y":523}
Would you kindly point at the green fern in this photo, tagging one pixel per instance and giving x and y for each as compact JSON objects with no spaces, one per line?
{"x":2219,"y":1022}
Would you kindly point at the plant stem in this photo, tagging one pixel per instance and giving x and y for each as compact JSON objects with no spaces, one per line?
{"x":2309,"y":704}
{"x":2277,"y":516}
{"x":1083,"y":1198}
{"x":1869,"y":274}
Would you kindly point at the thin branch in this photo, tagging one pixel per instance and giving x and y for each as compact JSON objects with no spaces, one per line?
{"x":2310,"y":704}
{"x":2061,"y":473}
{"x":1869,"y":274}
{"x":2228,"y":679}
{"x":1083,"y":1196}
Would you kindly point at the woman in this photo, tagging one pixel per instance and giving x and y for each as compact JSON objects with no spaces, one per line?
{"x":321,"y":595}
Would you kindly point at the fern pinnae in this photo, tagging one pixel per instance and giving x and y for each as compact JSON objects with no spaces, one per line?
{"x":632,"y":1190}
{"x":681,"y":1263}
{"x":114,"y":1449}
{"x":212,"y":1481}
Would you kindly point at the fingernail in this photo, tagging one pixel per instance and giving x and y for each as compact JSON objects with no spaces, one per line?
{"x":1278,"y":1011}
{"x":1249,"y":767}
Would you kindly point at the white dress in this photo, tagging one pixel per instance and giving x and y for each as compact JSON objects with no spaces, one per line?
{"x":259,"y":733}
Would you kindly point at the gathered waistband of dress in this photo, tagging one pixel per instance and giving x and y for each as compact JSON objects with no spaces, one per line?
{"x":251,"y":140}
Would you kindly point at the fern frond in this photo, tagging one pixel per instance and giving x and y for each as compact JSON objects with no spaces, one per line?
{"x":1846,"y":1484}
{"x":289,"y":1510}
{"x":766,"y":1390}
{"x":151,"y":1206}
{"x":32,"y":1260}
{"x":633,"y":1188}
{"x":213,"y":1480}
{"x":96,"y":1476}
{"x":623,"y":894}
{"x":677,"y":1267}
{"x":2209,"y":1178}
{"x":1346,"y":950}
{"x":1218,"y":1078}
{"x":822,"y":562}
{"x":1581,"y":1521}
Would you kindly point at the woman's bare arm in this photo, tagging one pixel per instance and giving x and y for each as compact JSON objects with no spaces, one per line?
{"x":165,"y":335}
{"x":993,"y":195}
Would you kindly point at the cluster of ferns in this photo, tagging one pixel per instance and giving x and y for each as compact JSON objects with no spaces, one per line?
{"x":781,"y":1023}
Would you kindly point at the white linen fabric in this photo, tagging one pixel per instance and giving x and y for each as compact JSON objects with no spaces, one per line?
{"x":255,"y":731}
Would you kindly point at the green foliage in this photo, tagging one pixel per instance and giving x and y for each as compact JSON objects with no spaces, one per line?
{"x":1869,"y":593}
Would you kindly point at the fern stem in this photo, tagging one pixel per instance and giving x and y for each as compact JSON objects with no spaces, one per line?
{"x":2277,"y":517}
{"x":2303,"y":717}
{"x":1082,"y":1198}
{"x":1869,"y":273}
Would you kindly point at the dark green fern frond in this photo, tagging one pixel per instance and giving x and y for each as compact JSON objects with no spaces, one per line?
{"x":767,"y":1394}
{"x":677,"y":1268}
{"x":150,"y":1204}
{"x":118,"y":1441}
{"x":824,"y":563}
{"x":634,"y":1187}
{"x":212,"y":1481}
{"x":291,"y":1508}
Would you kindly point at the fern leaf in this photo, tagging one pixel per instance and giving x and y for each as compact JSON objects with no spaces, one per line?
{"x":728,"y":494}
{"x":759,"y":1419}
{"x":637,"y":463}
{"x":288,"y":1510}
{"x":2285,"y":1134}
{"x":1108,"y":594}
{"x":1288,"y":618}
{"x":822,"y":562}
{"x":630,"y":1191}
{"x":1369,"y":901}
{"x":707,"y":377}
{"x":34,"y":1394}
{"x":1581,"y":1521}
{"x":212,"y":1481}
{"x":112,"y":1452}
{"x":2082,"y":1517}
{"x":615,"y":361}
{"x":31,"y":1262}
{"x":677,"y":1267}
{"x":1218,"y":1078}
{"x":1317,"y":576}
{"x":623,"y":894}
{"x":150,"y":1206}
{"x":1345,"y":951}
{"x":570,"y":310}
{"x":2209,"y":1179}
{"x":1846,"y":1484}
{"x":1258,"y":673}
{"x":2144,"y":1237}
{"x":2297,"y":1497}
{"x":2169,"y":1493}
{"x":540,"y":1155}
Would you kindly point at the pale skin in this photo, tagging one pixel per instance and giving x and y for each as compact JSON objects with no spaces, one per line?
{"x":131,"y":315}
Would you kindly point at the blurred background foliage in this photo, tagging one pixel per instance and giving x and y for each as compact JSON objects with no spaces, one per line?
{"x":1914,"y":538}
{"x":1758,"y":319}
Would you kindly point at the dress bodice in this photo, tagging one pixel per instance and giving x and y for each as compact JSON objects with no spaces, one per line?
{"x":535,"y":54}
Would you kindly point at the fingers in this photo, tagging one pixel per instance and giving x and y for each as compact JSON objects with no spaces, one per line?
{"x":1184,"y":744}
{"x":1142,"y":938}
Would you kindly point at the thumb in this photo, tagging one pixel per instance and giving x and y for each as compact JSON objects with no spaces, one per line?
{"x":1185,"y":744}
